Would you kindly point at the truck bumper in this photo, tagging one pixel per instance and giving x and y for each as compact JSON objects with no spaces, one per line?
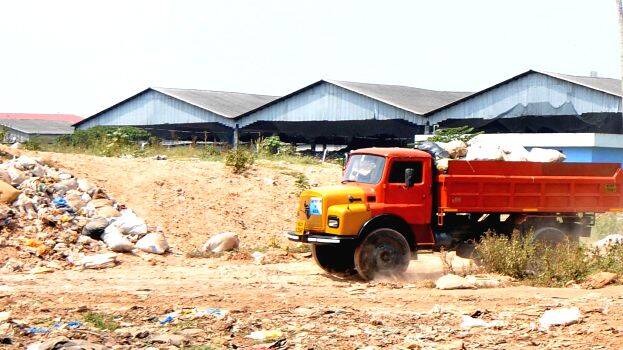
{"x":320,"y":238}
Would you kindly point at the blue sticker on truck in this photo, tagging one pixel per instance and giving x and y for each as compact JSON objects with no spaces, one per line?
{"x":315,"y":206}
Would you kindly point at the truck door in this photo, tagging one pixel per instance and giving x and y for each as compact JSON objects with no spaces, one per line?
{"x":413,"y":203}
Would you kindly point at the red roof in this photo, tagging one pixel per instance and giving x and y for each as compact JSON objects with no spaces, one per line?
{"x":57,"y":117}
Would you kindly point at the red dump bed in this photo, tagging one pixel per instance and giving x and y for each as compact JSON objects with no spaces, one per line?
{"x":507,"y":187}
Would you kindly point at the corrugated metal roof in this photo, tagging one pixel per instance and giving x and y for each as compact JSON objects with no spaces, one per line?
{"x":64,"y":117}
{"x":37,"y":126}
{"x":416,"y":100}
{"x":607,"y":85}
{"x":227,"y":104}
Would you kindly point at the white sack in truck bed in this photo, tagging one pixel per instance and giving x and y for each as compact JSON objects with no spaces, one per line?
{"x":487,"y":151}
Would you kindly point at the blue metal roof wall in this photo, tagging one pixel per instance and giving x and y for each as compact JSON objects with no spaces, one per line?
{"x":155,"y":108}
{"x":328,"y":102}
{"x":532,"y":94}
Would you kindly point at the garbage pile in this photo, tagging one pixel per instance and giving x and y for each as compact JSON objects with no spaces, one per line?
{"x":47,"y":213}
{"x":482,"y":150}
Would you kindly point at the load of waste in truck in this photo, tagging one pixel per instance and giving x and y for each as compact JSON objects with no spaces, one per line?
{"x":393,"y":201}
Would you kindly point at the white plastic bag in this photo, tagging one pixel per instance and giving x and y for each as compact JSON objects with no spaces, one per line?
{"x":515,"y":153}
{"x":153,"y":243}
{"x":221,"y":242}
{"x":115,"y":240}
{"x":481,"y":151}
{"x":544,"y":155}
{"x":456,"y":149}
{"x":129,"y":223}
{"x":559,"y":317}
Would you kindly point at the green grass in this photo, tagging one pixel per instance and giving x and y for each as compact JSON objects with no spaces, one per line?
{"x":101,"y":321}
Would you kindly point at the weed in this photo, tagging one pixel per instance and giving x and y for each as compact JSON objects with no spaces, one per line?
{"x":101,"y":321}
{"x":32,"y":144}
{"x":525,"y":258}
{"x":239,"y":159}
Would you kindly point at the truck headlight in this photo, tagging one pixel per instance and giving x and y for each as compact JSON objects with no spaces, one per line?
{"x":333,"y":222}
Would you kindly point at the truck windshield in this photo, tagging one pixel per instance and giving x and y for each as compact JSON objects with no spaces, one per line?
{"x":364,"y":168}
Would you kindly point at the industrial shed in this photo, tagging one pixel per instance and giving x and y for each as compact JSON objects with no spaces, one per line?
{"x":45,"y":131}
{"x":341,"y":112}
{"x":539,"y":102}
{"x":180,"y":113}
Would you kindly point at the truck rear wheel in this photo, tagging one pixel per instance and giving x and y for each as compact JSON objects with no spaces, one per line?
{"x":382,"y":252}
{"x":549,"y":235}
{"x":334,"y":259}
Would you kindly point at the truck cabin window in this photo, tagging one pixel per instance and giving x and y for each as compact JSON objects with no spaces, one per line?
{"x":397,"y":172}
{"x":364,"y":168}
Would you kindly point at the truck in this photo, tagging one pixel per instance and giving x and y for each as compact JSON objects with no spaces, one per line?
{"x":393,"y":202}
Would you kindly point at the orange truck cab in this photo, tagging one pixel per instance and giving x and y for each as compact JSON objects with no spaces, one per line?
{"x":393,"y":201}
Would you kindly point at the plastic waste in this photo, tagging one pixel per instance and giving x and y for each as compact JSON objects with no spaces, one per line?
{"x":8,"y":193}
{"x":221,"y":242}
{"x":273,"y":334}
{"x":450,"y":281}
{"x":5,"y":315}
{"x":37,"y":330}
{"x":17,"y":176}
{"x":211,"y":311}
{"x":60,"y":202}
{"x":153,"y":243}
{"x":482,"y":151}
{"x":97,"y":261}
{"x":258,"y":257}
{"x":168,"y":318}
{"x":544,"y":155}
{"x":470,"y":322}
{"x":456,"y":149}
{"x":559,"y":317}
{"x":129,"y":223}
{"x":609,"y":240}
{"x":434,"y":149}
{"x":115,"y":240}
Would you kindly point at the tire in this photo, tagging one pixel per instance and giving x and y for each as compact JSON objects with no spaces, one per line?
{"x":383,"y":252}
{"x":334,"y":259}
{"x":549,"y":235}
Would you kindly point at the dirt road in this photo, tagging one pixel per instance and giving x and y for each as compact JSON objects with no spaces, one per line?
{"x":310,"y":308}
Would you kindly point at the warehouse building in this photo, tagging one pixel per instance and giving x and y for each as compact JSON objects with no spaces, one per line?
{"x":21,"y":127}
{"x":180,"y":113}
{"x":340,"y":112}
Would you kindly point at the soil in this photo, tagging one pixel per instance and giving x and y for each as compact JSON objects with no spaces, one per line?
{"x":305,"y":307}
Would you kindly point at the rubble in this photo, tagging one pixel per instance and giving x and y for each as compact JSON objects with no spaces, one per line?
{"x":51,"y":215}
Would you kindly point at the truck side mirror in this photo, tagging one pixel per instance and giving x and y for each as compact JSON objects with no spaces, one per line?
{"x":409,"y":177}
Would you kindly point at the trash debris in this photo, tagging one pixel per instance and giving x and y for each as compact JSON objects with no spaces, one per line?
{"x":8,"y":193}
{"x":434,"y":149}
{"x":115,"y":240}
{"x":268,"y":335}
{"x":129,"y":223}
{"x":168,"y":318}
{"x":211,"y":311}
{"x":609,"y":240}
{"x":456,"y":149}
{"x":153,"y":243}
{"x":599,"y":280}
{"x":450,"y":281}
{"x":170,"y":339}
{"x":95,"y":228}
{"x":62,"y":343}
{"x":5,"y":315}
{"x":544,"y":155}
{"x":98,"y":261}
{"x":470,"y":322}
{"x":221,"y":242}
{"x":37,"y":330}
{"x":258,"y":257}
{"x":483,"y":282}
{"x":559,"y":317}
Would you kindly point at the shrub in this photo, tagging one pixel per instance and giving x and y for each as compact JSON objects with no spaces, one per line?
{"x":462,"y":133}
{"x":508,"y":255}
{"x":524,"y":258}
{"x":273,"y":145}
{"x":239,"y":159}
{"x":100,"y":135}
{"x":101,"y":321}
{"x":32,"y":144}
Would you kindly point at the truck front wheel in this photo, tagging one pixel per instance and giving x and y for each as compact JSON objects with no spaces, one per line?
{"x":334,"y":259}
{"x":383,"y":252}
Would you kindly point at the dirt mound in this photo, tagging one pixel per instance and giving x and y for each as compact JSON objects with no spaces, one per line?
{"x":192,"y":199}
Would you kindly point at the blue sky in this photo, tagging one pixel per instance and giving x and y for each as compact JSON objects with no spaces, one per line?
{"x":81,"y":56}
